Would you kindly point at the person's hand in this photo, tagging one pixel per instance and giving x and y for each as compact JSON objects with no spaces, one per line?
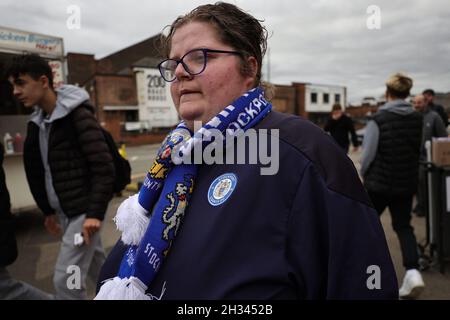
{"x":52,"y":226}
{"x":90,"y":226}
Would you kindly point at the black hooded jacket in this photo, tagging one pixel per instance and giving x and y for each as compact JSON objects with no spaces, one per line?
{"x":80,"y":163}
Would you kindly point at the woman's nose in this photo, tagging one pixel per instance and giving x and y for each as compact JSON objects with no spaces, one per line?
{"x":180,"y":72}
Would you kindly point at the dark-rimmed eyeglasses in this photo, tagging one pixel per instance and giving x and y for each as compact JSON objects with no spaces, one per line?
{"x":194,"y":62}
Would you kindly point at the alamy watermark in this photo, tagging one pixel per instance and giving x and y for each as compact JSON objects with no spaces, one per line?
{"x":254,"y":146}
{"x":374,"y":280}
{"x":373,"y":21}
{"x":73,"y":281}
{"x":73,"y":22}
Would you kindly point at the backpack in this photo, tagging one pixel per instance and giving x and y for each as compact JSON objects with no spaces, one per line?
{"x":121,"y":165}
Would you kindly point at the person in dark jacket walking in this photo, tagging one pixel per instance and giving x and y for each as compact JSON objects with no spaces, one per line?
{"x":429,"y":97}
{"x":10,"y":288}
{"x":69,"y":169}
{"x":340,"y":126}
{"x":299,"y":226}
{"x":389,"y":165}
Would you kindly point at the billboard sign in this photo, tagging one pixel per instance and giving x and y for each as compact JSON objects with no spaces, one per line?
{"x":155,"y":101}
{"x":17,"y":41}
{"x":57,"y":69}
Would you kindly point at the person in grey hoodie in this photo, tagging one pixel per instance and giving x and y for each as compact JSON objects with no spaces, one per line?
{"x":389,"y":166}
{"x":433,"y":126}
{"x":69,"y":170}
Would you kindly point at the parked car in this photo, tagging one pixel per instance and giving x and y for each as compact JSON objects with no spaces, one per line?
{"x":371,"y":101}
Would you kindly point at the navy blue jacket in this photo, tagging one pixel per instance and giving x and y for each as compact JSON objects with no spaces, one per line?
{"x":308,"y":232}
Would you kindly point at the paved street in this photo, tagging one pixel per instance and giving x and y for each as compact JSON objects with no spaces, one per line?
{"x":437,"y":286}
{"x":141,"y":158}
{"x":38,"y":250}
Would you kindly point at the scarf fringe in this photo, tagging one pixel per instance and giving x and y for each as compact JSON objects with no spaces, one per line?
{"x":123,"y":289}
{"x":132,"y":220}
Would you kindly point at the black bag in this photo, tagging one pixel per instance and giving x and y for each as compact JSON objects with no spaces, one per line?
{"x":121,"y":165}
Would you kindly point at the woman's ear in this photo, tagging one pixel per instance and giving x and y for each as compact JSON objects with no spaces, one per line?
{"x":252,"y":67}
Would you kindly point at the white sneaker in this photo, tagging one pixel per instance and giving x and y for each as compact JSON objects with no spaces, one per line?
{"x":412,"y":286}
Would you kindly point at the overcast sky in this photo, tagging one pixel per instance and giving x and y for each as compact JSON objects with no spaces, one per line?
{"x":317,"y":41}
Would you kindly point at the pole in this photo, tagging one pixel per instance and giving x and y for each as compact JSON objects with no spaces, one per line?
{"x":268,"y":64}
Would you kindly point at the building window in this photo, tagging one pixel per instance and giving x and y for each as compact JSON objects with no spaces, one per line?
{"x":131,"y":116}
{"x":337,"y":98}
{"x":313,"y":97}
{"x":326,"y":98}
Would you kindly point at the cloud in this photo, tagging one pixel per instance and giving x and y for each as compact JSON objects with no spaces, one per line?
{"x":325,"y":42}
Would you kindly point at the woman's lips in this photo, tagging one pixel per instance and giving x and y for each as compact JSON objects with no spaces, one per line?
{"x":188,"y":94}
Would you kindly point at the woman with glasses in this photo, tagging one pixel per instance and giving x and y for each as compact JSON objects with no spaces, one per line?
{"x":230,"y":229}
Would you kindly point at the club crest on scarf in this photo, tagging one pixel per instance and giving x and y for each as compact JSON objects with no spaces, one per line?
{"x":163,"y":163}
{"x":174,"y":212}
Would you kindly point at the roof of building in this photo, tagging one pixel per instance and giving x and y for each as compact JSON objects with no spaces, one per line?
{"x":142,"y":54}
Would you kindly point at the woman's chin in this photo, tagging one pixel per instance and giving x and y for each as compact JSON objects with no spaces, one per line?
{"x":188,"y":113}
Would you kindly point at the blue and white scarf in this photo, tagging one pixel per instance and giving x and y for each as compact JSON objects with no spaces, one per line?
{"x":151,"y":219}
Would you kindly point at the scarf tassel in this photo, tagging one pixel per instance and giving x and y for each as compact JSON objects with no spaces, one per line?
{"x":132,"y":220}
{"x":123,"y":289}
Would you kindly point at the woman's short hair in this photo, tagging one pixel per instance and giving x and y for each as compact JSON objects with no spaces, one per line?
{"x":235,"y":27}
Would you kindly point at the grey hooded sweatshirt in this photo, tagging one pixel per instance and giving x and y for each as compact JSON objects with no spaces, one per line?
{"x":372,"y":132}
{"x":68,"y":99}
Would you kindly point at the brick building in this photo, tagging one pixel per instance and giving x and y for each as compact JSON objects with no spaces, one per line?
{"x":112,"y":85}
{"x":311,"y":101}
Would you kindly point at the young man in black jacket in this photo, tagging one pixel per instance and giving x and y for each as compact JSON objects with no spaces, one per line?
{"x":11,"y":288}
{"x":340,"y":126}
{"x":69,"y":170}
